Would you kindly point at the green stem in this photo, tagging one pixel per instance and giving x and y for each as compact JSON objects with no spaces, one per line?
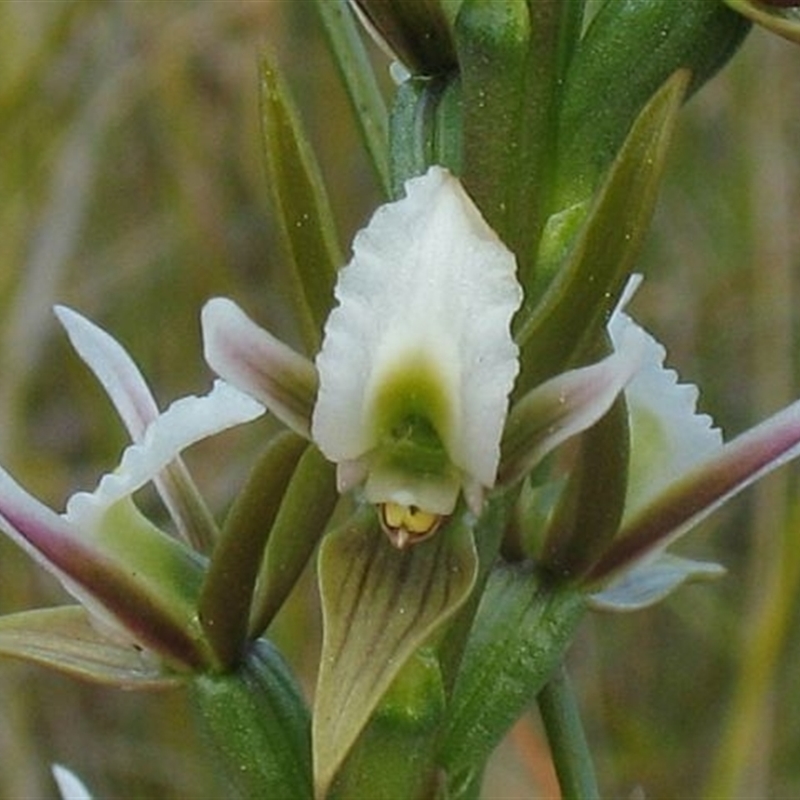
{"x":568,"y":745}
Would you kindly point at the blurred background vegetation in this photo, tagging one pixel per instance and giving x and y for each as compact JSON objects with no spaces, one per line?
{"x":132,"y":188}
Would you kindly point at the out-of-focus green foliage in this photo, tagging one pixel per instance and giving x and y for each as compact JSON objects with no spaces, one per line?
{"x":133,"y":187}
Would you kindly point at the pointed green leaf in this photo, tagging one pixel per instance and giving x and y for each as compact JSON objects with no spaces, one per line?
{"x":512,"y":57}
{"x":574,"y":310}
{"x":66,"y":639}
{"x":307,"y":505}
{"x":629,"y":50}
{"x":778,"y":16}
{"x":301,"y":206}
{"x":379,"y":606}
{"x":359,"y":81}
{"x":520,"y":633}
{"x":493,"y":47}
{"x":226,"y":595}
{"x":258,"y":725}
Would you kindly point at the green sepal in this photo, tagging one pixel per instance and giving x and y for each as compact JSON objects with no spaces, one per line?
{"x":379,"y":605}
{"x":493,"y":41}
{"x":150,"y":583}
{"x":415,"y":31}
{"x":520,"y":633}
{"x":66,"y":639}
{"x":424,"y":129}
{"x":301,"y":208}
{"x":512,"y":55}
{"x":360,"y":82}
{"x":572,"y":314}
{"x":590,"y":508}
{"x":307,"y":505}
{"x":395,"y":755}
{"x":629,"y":50}
{"x":227,"y":592}
{"x":258,"y":726}
{"x":782,"y":18}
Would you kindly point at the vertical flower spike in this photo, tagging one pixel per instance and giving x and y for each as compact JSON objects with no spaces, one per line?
{"x":418,"y":361}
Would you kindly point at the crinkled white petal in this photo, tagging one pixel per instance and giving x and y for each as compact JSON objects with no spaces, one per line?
{"x":668,"y":435}
{"x":114,"y":368}
{"x":186,"y":421}
{"x":429,"y":281}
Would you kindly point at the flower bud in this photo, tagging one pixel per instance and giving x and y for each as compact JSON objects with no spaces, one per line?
{"x":414,"y":32}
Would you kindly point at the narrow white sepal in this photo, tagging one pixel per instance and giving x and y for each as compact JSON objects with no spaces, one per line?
{"x":254,"y":361}
{"x":429,"y":285}
{"x":114,"y":368}
{"x":70,"y":787}
{"x":128,"y":391}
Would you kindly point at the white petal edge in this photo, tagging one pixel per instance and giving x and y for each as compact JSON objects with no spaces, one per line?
{"x":253,"y":360}
{"x":186,"y":421}
{"x":668,"y":435}
{"x":428,"y":278}
{"x":650,"y":581}
{"x":114,"y":368}
{"x":70,"y":787}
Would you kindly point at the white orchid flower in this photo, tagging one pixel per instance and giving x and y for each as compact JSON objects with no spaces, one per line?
{"x":137,"y":580}
{"x":418,"y":361}
{"x":680,"y":471}
{"x":409,"y":396}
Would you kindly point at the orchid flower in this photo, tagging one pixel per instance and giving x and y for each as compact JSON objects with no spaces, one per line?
{"x":409,"y":396}
{"x":680,"y":471}
{"x":409,"y":393}
{"x":416,"y":365}
{"x":418,"y":360}
{"x":138,"y":582}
